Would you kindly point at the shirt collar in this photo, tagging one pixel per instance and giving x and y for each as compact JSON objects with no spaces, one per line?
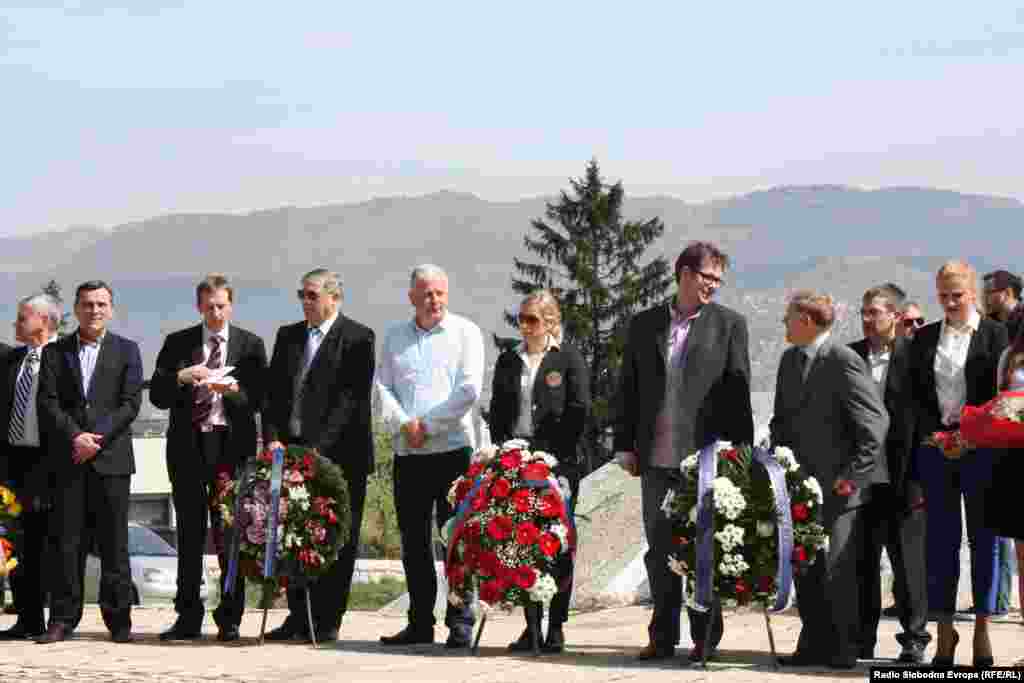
{"x":973,"y":323}
{"x":325,"y":326}
{"x":223,"y":334}
{"x":679,"y":315}
{"x":811,"y":350}
{"x":82,"y":342}
{"x":442,"y":324}
{"x":550,"y":344}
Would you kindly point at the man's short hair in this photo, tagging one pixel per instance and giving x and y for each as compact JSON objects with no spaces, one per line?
{"x":46,"y":304}
{"x":910,"y":303}
{"x":92,"y":286}
{"x":893,"y":295}
{"x":818,"y":307}
{"x":329,"y":281}
{"x":1003,"y":279}
{"x":696,"y":253}
{"x":213,"y":282}
{"x":426,"y":271}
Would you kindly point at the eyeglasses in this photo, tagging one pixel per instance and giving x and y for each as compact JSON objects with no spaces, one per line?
{"x":709,"y":278}
{"x":305,"y":295}
{"x":913,"y":322}
{"x":526,"y":319}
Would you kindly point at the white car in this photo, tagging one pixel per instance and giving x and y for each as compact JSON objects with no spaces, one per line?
{"x":154,"y":564}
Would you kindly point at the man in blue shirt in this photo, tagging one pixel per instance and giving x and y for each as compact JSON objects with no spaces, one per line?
{"x":429,"y":378}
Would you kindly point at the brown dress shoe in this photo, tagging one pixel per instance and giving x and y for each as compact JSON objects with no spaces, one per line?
{"x":55,"y":634}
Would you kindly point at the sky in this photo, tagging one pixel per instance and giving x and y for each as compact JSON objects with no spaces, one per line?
{"x":116,"y":112}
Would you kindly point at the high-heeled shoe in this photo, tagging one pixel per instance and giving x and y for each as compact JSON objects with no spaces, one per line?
{"x":947,"y":662}
{"x":983,"y":661}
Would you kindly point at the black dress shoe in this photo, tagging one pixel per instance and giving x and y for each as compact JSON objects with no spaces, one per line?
{"x":842,"y":663}
{"x":122,"y":635}
{"x":522,"y":643}
{"x":912,"y":653}
{"x":55,"y":634}
{"x":228,"y":634}
{"x":696,"y":653}
{"x":983,"y":662}
{"x":891,"y":611}
{"x":655,"y":651}
{"x":181,"y":630}
{"x":555,"y":642}
{"x":866,"y":653}
{"x":287,"y":631}
{"x":800,"y":659}
{"x":327,"y":635}
{"x":946,"y":662}
{"x":410,"y":636}
{"x":21,"y":632}
{"x":459,"y":638}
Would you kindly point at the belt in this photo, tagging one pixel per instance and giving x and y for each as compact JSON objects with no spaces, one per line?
{"x":206,"y":429}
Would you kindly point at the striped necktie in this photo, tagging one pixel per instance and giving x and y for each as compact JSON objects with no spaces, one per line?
{"x":203,"y":396}
{"x":22,"y":393}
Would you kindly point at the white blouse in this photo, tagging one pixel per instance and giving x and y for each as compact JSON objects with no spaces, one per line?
{"x":950,"y":359}
{"x":524,"y":425}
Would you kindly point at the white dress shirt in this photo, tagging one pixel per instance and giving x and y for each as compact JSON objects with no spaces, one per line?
{"x":217,"y":416}
{"x":30,"y":435}
{"x":435,"y":375}
{"x":88,"y":352}
{"x":524,"y":426}
{"x":878,"y":363}
{"x":950,"y":358}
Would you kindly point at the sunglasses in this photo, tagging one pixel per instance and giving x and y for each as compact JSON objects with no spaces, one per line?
{"x":527,"y":319}
{"x":913,"y":322}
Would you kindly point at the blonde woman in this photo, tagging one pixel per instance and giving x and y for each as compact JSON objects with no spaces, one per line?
{"x":541,"y":393}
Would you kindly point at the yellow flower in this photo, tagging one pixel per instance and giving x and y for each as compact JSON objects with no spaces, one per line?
{"x":6,"y":495}
{"x":9,"y":567}
{"x":14,"y":509}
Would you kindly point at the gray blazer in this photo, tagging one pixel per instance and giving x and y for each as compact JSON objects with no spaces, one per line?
{"x":835,"y":422}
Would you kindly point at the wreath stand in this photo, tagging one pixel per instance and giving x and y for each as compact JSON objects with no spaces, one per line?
{"x":309,"y":616}
{"x":532,"y":625}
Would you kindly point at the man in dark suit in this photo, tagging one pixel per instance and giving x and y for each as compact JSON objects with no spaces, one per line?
{"x":318,"y":395}
{"x":23,"y":461}
{"x":90,"y":389}
{"x":684,"y":382}
{"x":1002,"y":290}
{"x":895,"y":514}
{"x":212,"y":429}
{"x":830,"y":413}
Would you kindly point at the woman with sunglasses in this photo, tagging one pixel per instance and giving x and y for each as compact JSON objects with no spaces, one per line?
{"x":541,"y":394}
{"x":953,"y":364}
{"x":911,"y":320}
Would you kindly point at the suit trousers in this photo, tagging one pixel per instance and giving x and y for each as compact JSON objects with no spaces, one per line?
{"x":193,"y":488}
{"x":92,"y":503}
{"x":890,"y":523}
{"x":329,"y":594}
{"x":667,"y":586}
{"x":828,"y":592}
{"x":422,"y":482}
{"x":28,"y":580}
{"x":945,"y":483}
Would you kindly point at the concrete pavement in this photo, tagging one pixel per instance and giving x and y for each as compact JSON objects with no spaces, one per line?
{"x":601,"y":648}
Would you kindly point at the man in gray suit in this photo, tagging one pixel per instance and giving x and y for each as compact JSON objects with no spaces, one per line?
{"x":829,"y":411}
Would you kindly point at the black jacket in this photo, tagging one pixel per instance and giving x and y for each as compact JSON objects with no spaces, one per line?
{"x":184,"y":348}
{"x":561,"y":401}
{"x":115,"y":394}
{"x":716,"y":399}
{"x":336,"y":396}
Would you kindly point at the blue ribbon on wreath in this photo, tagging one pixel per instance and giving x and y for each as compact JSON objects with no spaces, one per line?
{"x":784,"y":525}
{"x":234,"y":548}
{"x":707,"y":465}
{"x":276,"y":474}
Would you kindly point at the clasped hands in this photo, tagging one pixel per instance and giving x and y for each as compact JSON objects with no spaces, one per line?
{"x":415,"y":433}
{"x":199,"y":372}
{"x":85,"y":446}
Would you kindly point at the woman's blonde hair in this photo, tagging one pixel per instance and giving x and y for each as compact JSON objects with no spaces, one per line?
{"x":550,"y":311}
{"x":958,"y":272}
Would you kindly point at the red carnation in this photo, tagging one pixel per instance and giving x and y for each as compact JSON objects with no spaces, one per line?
{"x":471,"y":532}
{"x":462,"y":489}
{"x":527,"y":533}
{"x":799,"y":554}
{"x":549,"y":544}
{"x":479,"y":501}
{"x":741,"y":587}
{"x":551,"y":504}
{"x":801,"y":513}
{"x":500,"y":528}
{"x":845,"y":488}
{"x":537,"y":470}
{"x":765,"y":584}
{"x":680,"y":540}
{"x":730,"y":454}
{"x":512,"y":459}
{"x":521,"y":499}
{"x":456,"y":574}
{"x":265,"y":456}
{"x":490,"y":592}
{"x":474,"y":470}
{"x":501,"y":488}
{"x":524,"y":577}
{"x":471,"y":557}
{"x":488,"y":562}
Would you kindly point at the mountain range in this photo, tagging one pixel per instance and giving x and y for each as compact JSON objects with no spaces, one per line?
{"x":834,"y":238}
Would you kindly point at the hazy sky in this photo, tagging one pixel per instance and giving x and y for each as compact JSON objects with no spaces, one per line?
{"x":114,"y":112}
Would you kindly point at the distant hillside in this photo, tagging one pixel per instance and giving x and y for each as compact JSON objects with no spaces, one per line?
{"x":835,"y":238}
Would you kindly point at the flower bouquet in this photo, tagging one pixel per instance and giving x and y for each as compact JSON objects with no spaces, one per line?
{"x":744,"y":520}
{"x":289,"y":513}
{"x":996,"y":424}
{"x":511,"y":532}
{"x":10,"y":510}
{"x":953,"y":444}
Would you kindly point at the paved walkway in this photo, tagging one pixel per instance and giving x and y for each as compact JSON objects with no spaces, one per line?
{"x":602,"y":645}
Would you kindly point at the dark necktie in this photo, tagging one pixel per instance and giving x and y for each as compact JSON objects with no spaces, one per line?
{"x":22,"y":393}
{"x":202,"y":404}
{"x":801,"y":364}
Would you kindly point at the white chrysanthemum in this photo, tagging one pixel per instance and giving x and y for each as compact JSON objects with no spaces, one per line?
{"x":693,"y":515}
{"x":549,"y":460}
{"x":543,"y":589}
{"x":786,"y":458}
{"x":729,"y":499}
{"x":300,"y":494}
{"x":666,"y":503}
{"x":485,"y":454}
{"x":733,"y":565}
{"x":812,"y":485}
{"x":689,"y":463}
{"x":515,"y":444}
{"x":562,"y":533}
{"x":722,"y":446}
{"x":765,"y":529}
{"x":729,"y":537}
